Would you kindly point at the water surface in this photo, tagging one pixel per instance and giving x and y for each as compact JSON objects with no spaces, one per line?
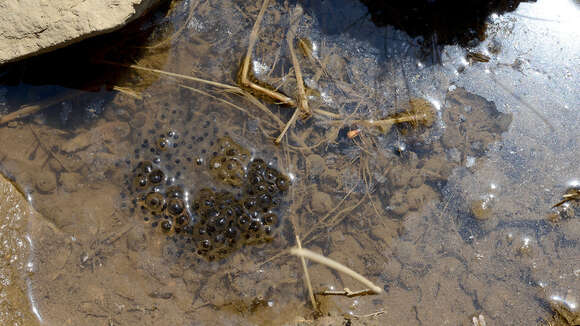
{"x":449,"y":218}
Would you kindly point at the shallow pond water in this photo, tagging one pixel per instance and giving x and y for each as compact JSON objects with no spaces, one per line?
{"x":450,"y":213}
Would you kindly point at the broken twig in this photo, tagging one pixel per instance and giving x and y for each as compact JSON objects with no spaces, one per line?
{"x":347,"y":292}
{"x":301,"y":252}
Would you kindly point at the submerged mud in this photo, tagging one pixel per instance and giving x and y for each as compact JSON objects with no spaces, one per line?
{"x":144,"y":199}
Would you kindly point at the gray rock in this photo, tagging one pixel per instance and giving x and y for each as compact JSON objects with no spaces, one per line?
{"x":31,"y":27}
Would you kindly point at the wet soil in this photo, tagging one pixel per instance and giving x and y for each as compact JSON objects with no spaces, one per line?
{"x":449,"y":218}
{"x":15,"y":250}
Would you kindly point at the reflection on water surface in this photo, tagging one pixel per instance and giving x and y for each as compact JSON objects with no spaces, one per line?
{"x":452,"y":218}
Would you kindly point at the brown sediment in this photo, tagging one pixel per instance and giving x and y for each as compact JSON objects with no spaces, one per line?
{"x":380,"y":203}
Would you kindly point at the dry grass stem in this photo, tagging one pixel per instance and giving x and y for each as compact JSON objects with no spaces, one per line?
{"x":478,"y":320}
{"x":305,"y":45}
{"x":30,"y":109}
{"x":244,"y":73}
{"x":331,"y":222}
{"x":420,"y":114}
{"x":224,"y":87}
{"x":192,"y":7}
{"x":274,"y":257}
{"x":253,"y":100}
{"x":290,"y":123}
{"x":327,"y":114}
{"x":571,"y":194}
{"x":245,"y":70}
{"x":175,"y":75}
{"x":307,"y":276}
{"x":374,"y":314}
{"x":127,"y":91}
{"x":237,"y":107}
{"x":302,"y":99}
{"x":301,"y":252}
{"x":307,"y":49}
{"x":279,"y":97}
{"x":347,"y":292}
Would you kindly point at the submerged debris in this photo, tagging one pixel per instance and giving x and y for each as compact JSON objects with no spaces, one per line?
{"x":478,"y":320}
{"x":572,"y":194}
{"x":420,"y":114}
{"x":564,"y":209}
{"x":564,"y":315}
{"x":477,"y":57}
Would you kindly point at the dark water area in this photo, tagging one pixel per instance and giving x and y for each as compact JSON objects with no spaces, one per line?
{"x":434,"y":23}
{"x":440,"y":22}
{"x":81,"y":70}
{"x":438,"y":161}
{"x":79,"y":66}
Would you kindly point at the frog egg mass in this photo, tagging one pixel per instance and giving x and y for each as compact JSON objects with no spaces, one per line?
{"x":241,"y":205}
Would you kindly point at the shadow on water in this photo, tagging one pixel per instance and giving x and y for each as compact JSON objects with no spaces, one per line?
{"x":440,"y":22}
{"x":77,"y":74}
{"x":436,"y":22}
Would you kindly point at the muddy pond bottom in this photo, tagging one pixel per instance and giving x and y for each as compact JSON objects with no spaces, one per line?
{"x":444,"y":174}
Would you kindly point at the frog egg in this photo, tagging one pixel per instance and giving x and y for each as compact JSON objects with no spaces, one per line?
{"x":265,"y":202}
{"x":175,"y":206}
{"x":231,"y":152}
{"x":255,"y":226}
{"x":227,"y":170}
{"x":482,"y":208}
{"x":270,"y":175}
{"x":155,"y":202}
{"x":270,"y":219}
{"x":231,"y":232}
{"x":272,"y":189}
{"x":218,"y":223}
{"x":525,"y":247}
{"x":174,"y":192}
{"x":258,"y":164}
{"x":205,"y":244}
{"x":181,"y":220}
{"x":216,"y":163}
{"x":166,"y":226}
{"x":140,"y":182}
{"x":283,"y":183}
{"x":156,"y":177}
{"x":268,"y":230}
{"x":145,"y":167}
{"x":219,"y":239}
{"x":243,"y":222}
{"x":163,"y":143}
